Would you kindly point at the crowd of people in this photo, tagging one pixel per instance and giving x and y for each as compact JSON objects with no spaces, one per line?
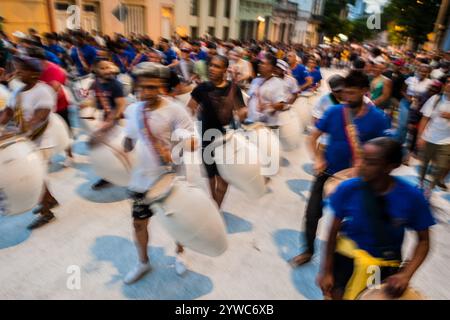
{"x":385,"y":107}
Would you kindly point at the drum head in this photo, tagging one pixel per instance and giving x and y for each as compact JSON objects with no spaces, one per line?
{"x":162,"y":188}
{"x":333,"y":182}
{"x":380,"y":294}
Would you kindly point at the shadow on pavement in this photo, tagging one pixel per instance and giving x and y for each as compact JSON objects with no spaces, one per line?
{"x":308,"y":168}
{"x":161,"y":283}
{"x":106,"y":195}
{"x":236,"y":224}
{"x":304,"y":277}
{"x":299,"y":186}
{"x":13,"y":229}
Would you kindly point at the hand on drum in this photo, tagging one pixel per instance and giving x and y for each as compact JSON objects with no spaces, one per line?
{"x":397,"y":284}
{"x":326,"y":282}
{"x":320,"y":165}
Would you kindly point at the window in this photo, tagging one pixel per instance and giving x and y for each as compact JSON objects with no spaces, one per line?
{"x":61,"y":6}
{"x":89,"y":8}
{"x":212,"y":8}
{"x":194,"y":32}
{"x":226,"y":33}
{"x":227,"y":8}
{"x":212,"y":31}
{"x":194,"y":7}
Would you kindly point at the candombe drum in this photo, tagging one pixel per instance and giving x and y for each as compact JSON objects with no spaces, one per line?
{"x":189,"y":215}
{"x":303,"y":108}
{"x":90,"y":119}
{"x":246,"y":97}
{"x":268,"y":146}
{"x":289,"y":130}
{"x":334,"y":181}
{"x":381,"y":294}
{"x":56,"y":138}
{"x":4,"y":97}
{"x":22,"y":175}
{"x":109,"y":160}
{"x":238,"y":163}
{"x":80,"y":87}
{"x":185,"y":97}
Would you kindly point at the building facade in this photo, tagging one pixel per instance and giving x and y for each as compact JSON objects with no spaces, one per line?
{"x":254,"y":17}
{"x":283,"y":20}
{"x":309,"y":17}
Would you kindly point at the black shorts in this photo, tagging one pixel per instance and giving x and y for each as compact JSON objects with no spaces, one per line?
{"x":65,"y":115}
{"x":343,"y":271}
{"x":140,"y":210}
{"x":211,"y":169}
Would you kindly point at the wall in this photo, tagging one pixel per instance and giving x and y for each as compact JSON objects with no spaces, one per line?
{"x":24,"y":14}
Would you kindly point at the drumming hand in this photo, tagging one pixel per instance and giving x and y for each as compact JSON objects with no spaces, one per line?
{"x":320,"y":165}
{"x":166,"y":155}
{"x":326,"y":283}
{"x":420,"y":144}
{"x":397,"y":284}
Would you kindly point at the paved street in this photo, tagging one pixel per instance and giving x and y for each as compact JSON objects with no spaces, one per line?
{"x":93,"y":231}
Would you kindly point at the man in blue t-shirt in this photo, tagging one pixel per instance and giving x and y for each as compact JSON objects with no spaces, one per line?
{"x":373,"y":211}
{"x":171,"y":58}
{"x":299,"y":71}
{"x":339,"y":155}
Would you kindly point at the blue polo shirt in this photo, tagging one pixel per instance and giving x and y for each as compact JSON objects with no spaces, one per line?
{"x":56,"y":49}
{"x":338,"y":152}
{"x":202,"y":55}
{"x":316,"y":75}
{"x":405,"y":207}
{"x":50,"y":56}
{"x":300,"y":74}
{"x":89,"y":54}
{"x":170,"y":56}
{"x":127,"y":58}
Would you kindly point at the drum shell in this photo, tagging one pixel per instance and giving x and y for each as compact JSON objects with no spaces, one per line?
{"x":238,"y":163}
{"x":89,"y":125}
{"x":268,"y":146}
{"x":289,"y":130}
{"x":109,"y":160}
{"x":22,"y":178}
{"x":379,"y":294}
{"x":58,"y":133}
{"x":190,"y":216}
{"x":303,"y":108}
{"x":127,"y":83}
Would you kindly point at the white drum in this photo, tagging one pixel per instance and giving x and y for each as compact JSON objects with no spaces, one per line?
{"x":303,"y":108}
{"x":80,"y":87}
{"x":127,"y":83}
{"x":380,"y":294}
{"x":109,"y":160}
{"x":90,"y":119}
{"x":268,"y":146}
{"x":189,"y":215}
{"x":246,"y":97}
{"x":57,"y":135}
{"x":238,"y":163}
{"x":289,"y":130}
{"x":4,"y":96}
{"x":22,"y":176}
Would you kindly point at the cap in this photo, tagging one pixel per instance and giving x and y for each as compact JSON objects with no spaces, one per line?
{"x":151,"y":69}
{"x":336,"y":83}
{"x":283,"y":65}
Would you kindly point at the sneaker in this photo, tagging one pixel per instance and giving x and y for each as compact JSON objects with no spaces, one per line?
{"x":100,"y":185}
{"x":137,"y":273}
{"x":180,"y":264}
{"x":41,"y":221}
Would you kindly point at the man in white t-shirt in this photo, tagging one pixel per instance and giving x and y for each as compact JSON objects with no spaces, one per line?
{"x":152,"y":124}
{"x":29,"y":108}
{"x":291,"y":86}
{"x":434,"y":141}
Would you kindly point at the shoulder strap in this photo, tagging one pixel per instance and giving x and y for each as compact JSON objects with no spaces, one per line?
{"x":351,"y":133}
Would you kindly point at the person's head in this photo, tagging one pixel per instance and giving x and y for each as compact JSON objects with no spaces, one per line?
{"x":28,"y":69}
{"x":164,"y":44}
{"x":102,"y":68}
{"x":267,"y":65}
{"x":218,"y":68}
{"x":151,"y":80}
{"x":435,"y":87}
{"x":311,"y":63}
{"x":281,"y":68}
{"x":423,"y":71}
{"x":154,"y":56}
{"x":212,"y":49}
{"x":234,"y":55}
{"x":196,"y":46}
{"x":380,"y":157}
{"x":50,"y":38}
{"x":356,"y":86}
{"x":32,"y":32}
{"x":185,"y":53}
{"x":377,"y":69}
{"x":291,"y":58}
{"x":337,"y":84}
{"x":79,"y":38}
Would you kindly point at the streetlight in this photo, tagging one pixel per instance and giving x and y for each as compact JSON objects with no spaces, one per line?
{"x":261,"y":19}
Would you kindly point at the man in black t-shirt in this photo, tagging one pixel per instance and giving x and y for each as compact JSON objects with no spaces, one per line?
{"x":109,"y":97}
{"x":215,"y":101}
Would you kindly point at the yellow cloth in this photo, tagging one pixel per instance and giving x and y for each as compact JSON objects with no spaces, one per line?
{"x":362,"y":261}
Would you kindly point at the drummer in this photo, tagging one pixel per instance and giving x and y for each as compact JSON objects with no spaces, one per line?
{"x":347,"y":125}
{"x":29,"y":108}
{"x":371,"y":213}
{"x":215,"y":101}
{"x":106,"y":94}
{"x":153,"y":122}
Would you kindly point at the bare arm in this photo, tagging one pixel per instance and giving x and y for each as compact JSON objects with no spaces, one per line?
{"x":387,"y":92}
{"x":193,"y":106}
{"x":39,"y":117}
{"x":5,"y":116}
{"x":309,"y":82}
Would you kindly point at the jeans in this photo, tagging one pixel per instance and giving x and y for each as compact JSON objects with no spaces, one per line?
{"x":403,"y":116}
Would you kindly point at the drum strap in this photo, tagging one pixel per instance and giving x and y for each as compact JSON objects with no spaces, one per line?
{"x":155,"y":142}
{"x":101,"y":96}
{"x":136,"y":60}
{"x":351,"y":132}
{"x":362,"y":262}
{"x":82,"y":59}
